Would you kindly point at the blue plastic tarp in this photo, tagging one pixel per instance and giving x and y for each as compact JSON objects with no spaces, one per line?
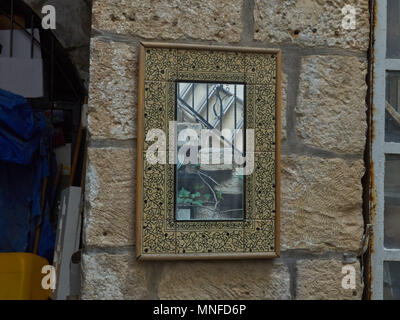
{"x":17,"y":114}
{"x":21,"y":130}
{"x":25,"y":139}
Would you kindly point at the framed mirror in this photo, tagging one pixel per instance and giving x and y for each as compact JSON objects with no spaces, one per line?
{"x":210,"y":189}
{"x":208,"y":152}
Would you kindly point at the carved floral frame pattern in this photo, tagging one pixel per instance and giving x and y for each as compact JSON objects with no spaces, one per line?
{"x":159,"y":236}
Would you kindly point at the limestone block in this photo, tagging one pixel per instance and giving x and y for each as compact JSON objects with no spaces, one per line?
{"x":171,"y":19}
{"x":112,"y":92}
{"x":113,"y":277}
{"x":322,"y":279}
{"x":331,"y":109}
{"x":110,"y":197}
{"x":225,"y":280}
{"x":321,"y":204}
{"x":313,"y":23}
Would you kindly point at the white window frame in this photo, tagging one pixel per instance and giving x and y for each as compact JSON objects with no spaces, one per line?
{"x":379,"y":149}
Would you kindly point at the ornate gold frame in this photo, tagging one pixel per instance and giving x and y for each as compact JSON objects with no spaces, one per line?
{"x":159,"y":236}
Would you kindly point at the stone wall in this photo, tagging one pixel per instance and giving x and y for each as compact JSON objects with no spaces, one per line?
{"x":323,"y":137}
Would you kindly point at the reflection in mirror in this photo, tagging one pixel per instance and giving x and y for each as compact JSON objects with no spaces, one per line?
{"x":210,"y":130}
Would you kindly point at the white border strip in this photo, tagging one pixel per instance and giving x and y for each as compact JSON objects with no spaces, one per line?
{"x":380,"y":148}
{"x":378,"y":145}
{"x":392,"y":255}
{"x":392,"y":64}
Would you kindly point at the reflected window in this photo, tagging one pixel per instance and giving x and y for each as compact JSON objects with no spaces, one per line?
{"x":210,"y":130}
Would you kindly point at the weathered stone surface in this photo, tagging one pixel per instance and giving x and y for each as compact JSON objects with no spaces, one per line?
{"x":113,"y":277}
{"x":322,"y":279}
{"x":224,"y":280}
{"x":110,"y":195}
{"x":112,"y":93}
{"x":321,"y":198}
{"x":321,"y":204}
{"x":331,"y":109}
{"x":311,"y":23}
{"x":171,"y":19}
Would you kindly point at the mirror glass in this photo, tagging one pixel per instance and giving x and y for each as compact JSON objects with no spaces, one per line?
{"x":210,"y":134}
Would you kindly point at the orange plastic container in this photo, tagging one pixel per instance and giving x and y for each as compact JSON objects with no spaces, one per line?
{"x":21,"y":277}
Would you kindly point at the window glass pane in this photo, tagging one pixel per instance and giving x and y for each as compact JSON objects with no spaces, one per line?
{"x":208,"y":186}
{"x":393,"y":29}
{"x":392,"y":114}
{"x":392,"y":201}
{"x":391,"y":280}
